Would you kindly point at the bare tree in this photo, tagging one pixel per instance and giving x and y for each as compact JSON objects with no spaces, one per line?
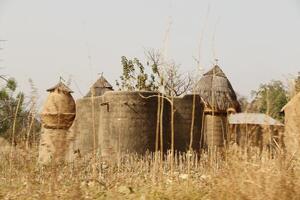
{"x":175,"y":82}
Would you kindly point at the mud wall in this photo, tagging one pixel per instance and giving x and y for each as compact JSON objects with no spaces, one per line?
{"x":81,"y":134}
{"x":128,"y":123}
{"x":183,"y":123}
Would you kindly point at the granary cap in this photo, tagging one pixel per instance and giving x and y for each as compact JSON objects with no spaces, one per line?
{"x":60,"y":87}
{"x":100,"y":87}
{"x":216,"y":91}
{"x":59,"y":109}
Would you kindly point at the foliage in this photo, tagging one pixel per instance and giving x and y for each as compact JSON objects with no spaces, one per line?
{"x":270,"y":99}
{"x":153,"y":75}
{"x":134,"y":76}
{"x":13,"y":109}
{"x":244,"y":104}
{"x":8,"y":104}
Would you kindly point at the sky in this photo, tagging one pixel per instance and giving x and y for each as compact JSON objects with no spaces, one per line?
{"x":255,"y":40}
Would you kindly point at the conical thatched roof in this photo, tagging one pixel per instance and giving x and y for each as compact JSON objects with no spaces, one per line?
{"x":60,"y":87}
{"x":100,"y":87}
{"x":217,"y":92}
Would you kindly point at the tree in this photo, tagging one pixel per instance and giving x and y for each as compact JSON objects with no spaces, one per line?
{"x":135,"y":76}
{"x":13,"y":109}
{"x":8,"y":105}
{"x":175,"y":82}
{"x":245,"y":105}
{"x":270,"y":98}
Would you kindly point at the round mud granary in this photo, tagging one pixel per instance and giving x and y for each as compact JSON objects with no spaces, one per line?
{"x":128,"y":123}
{"x":59,"y":109}
{"x":57,"y":116}
{"x":184,"y":119}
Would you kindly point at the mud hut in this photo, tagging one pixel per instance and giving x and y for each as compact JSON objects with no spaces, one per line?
{"x":292,"y":125}
{"x":219,"y":99}
{"x":57,"y":117}
{"x":255,"y":130}
{"x":100,"y":87}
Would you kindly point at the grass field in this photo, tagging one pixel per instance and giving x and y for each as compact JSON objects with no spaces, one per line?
{"x":234,"y":175}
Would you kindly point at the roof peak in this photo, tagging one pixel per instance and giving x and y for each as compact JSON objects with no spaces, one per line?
{"x":61,"y":87}
{"x":215,"y":71}
{"x":102,"y":83}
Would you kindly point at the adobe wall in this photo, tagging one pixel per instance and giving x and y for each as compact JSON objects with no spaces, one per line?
{"x":127,"y":122}
{"x":80,"y":136}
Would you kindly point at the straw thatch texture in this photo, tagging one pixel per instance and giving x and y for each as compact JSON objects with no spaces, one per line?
{"x":292,"y":125}
{"x":99,"y":87}
{"x":59,"y":109}
{"x":216,"y":91}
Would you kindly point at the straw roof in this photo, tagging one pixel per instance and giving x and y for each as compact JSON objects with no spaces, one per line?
{"x":254,"y":119}
{"x":100,"y":87}
{"x":295,"y":101}
{"x":216,"y":91}
{"x":60,"y":87}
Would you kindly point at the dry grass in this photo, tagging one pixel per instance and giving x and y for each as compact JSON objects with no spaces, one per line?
{"x":236,"y":175}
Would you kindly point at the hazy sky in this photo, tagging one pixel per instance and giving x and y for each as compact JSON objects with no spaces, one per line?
{"x":255,"y":40}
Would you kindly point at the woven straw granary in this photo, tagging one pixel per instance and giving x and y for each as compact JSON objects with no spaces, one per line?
{"x":57,"y":117}
{"x":59,"y":109}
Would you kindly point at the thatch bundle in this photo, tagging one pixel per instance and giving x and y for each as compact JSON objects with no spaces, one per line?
{"x":216,"y":91}
{"x":59,"y":109}
{"x":292,"y":125}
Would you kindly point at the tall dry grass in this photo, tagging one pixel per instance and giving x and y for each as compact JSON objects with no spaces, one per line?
{"x":236,"y":174}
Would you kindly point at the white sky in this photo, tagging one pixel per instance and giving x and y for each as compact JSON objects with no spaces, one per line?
{"x":255,"y":40}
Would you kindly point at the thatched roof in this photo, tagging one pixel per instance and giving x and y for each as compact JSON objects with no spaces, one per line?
{"x":295,"y":101}
{"x":253,"y":119}
{"x":60,"y":87}
{"x":216,"y":91}
{"x":100,"y":87}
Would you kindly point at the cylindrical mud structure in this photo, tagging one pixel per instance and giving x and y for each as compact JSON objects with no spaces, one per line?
{"x":215,"y":127}
{"x":128,"y":123}
{"x":85,"y":128}
{"x":184,"y":117}
{"x":57,"y":116}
